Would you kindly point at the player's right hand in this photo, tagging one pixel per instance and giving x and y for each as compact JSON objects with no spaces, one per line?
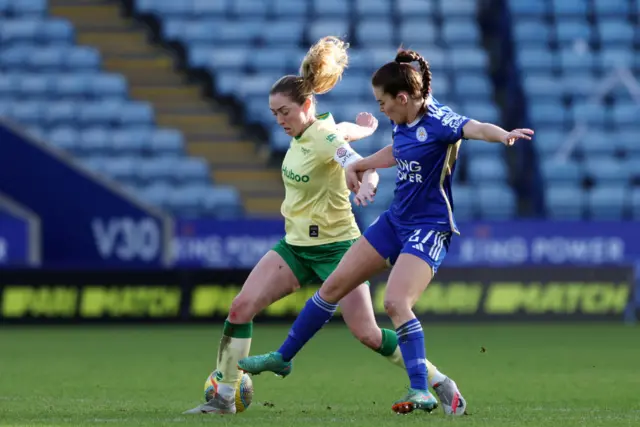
{"x":353,"y":183}
{"x":365,"y":195}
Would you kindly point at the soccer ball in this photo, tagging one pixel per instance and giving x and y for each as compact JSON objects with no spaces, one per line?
{"x":244,"y":390}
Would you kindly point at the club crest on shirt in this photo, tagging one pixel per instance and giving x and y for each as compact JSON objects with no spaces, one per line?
{"x":305,"y":151}
{"x":421,"y":134}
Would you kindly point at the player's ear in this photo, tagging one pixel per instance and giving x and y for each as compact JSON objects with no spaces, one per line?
{"x":306,"y":105}
{"x":402,"y":98}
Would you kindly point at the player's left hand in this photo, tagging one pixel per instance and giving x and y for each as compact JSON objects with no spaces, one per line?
{"x":516,"y":134}
{"x":367,"y":120}
{"x":365,"y":195}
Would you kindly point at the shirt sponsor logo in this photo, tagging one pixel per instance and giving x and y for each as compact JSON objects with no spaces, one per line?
{"x":291,"y":175}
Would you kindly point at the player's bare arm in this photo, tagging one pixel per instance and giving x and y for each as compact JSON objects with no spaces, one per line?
{"x":492,"y":133}
{"x":379,"y":160}
{"x":365,"y":125}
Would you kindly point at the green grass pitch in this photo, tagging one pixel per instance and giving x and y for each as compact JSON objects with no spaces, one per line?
{"x":517,"y":375}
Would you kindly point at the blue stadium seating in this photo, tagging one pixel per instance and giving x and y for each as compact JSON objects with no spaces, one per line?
{"x":273,"y":39}
{"x":57,"y":89}
{"x":566,"y":52}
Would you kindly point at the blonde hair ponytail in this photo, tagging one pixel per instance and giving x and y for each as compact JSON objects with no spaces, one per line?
{"x":323,"y":65}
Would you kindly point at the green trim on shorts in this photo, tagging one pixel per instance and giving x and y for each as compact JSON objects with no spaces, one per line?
{"x":312,"y":264}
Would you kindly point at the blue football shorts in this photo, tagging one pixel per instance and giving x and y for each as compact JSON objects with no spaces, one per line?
{"x":391,"y":239}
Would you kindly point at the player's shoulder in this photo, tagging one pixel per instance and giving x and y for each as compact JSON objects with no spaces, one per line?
{"x":325,"y":130}
{"x":440,"y":114}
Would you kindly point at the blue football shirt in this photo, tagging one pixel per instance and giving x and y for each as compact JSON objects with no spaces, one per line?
{"x":426,"y":151}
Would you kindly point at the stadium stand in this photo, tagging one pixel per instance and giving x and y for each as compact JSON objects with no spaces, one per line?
{"x":88,"y":80}
{"x":577,"y":60}
{"x":114,"y":106}
{"x":245,"y":45}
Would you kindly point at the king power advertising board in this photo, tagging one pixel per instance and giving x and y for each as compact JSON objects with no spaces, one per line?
{"x":240,"y":244}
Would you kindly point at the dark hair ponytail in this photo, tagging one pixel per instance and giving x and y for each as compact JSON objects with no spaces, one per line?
{"x":399,"y":76}
{"x":409,"y":56}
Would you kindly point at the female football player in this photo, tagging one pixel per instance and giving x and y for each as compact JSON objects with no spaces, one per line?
{"x":413,"y":234}
{"x":319,"y":224}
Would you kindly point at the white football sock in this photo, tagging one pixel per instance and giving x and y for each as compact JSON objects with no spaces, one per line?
{"x":434,"y":375}
{"x":231,"y":350}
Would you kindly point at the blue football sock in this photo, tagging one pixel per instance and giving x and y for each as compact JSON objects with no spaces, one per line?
{"x":411,"y":342}
{"x":315,"y":314}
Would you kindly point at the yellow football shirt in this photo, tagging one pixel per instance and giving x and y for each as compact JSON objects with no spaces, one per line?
{"x":316,"y":208}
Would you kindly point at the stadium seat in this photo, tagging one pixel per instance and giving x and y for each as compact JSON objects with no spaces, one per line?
{"x":473,"y":85}
{"x":607,"y":202}
{"x":626,"y":114}
{"x":593,"y":114}
{"x":611,"y":7}
{"x":282,"y":33}
{"x":616,"y":32}
{"x":286,"y":8}
{"x":537,"y":59}
{"x":461,"y":32}
{"x":191,"y":169}
{"x":598,"y":143}
{"x":606,"y":170}
{"x":368,"y":8}
{"x":613,"y":57}
{"x":129,"y":142}
{"x":323,"y":27}
{"x":223,"y":202}
{"x":487,"y":169}
{"x":564,"y":202}
{"x":578,"y":85}
{"x":326,"y":8}
{"x":464,"y":202}
{"x":248,"y":8}
{"x":572,"y":60}
{"x":379,"y":32}
{"x":95,"y":141}
{"x":414,"y":31}
{"x":532,"y":33}
{"x":572,"y":8}
{"x":555,"y":172}
{"x":469,"y":59}
{"x":66,"y":139}
{"x":121,"y":169}
{"x":156,"y":194}
{"x":546,"y":113}
{"x":570,"y":31}
{"x":28,"y":8}
{"x":458,"y":8}
{"x":166,"y":142}
{"x":414,"y":8}
{"x":496,"y":202}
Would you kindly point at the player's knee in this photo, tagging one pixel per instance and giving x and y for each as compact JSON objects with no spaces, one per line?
{"x":396,"y":306}
{"x":331,"y":291}
{"x":371,"y":337}
{"x":242,"y":310}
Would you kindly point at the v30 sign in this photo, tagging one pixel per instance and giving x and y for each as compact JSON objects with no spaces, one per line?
{"x":127,"y":239}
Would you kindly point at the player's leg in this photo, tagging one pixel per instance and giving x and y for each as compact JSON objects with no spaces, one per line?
{"x":358,"y":314}
{"x":408,"y":279}
{"x":421,"y":256}
{"x":276,"y":275}
{"x":360,"y":262}
{"x":357,"y":307}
